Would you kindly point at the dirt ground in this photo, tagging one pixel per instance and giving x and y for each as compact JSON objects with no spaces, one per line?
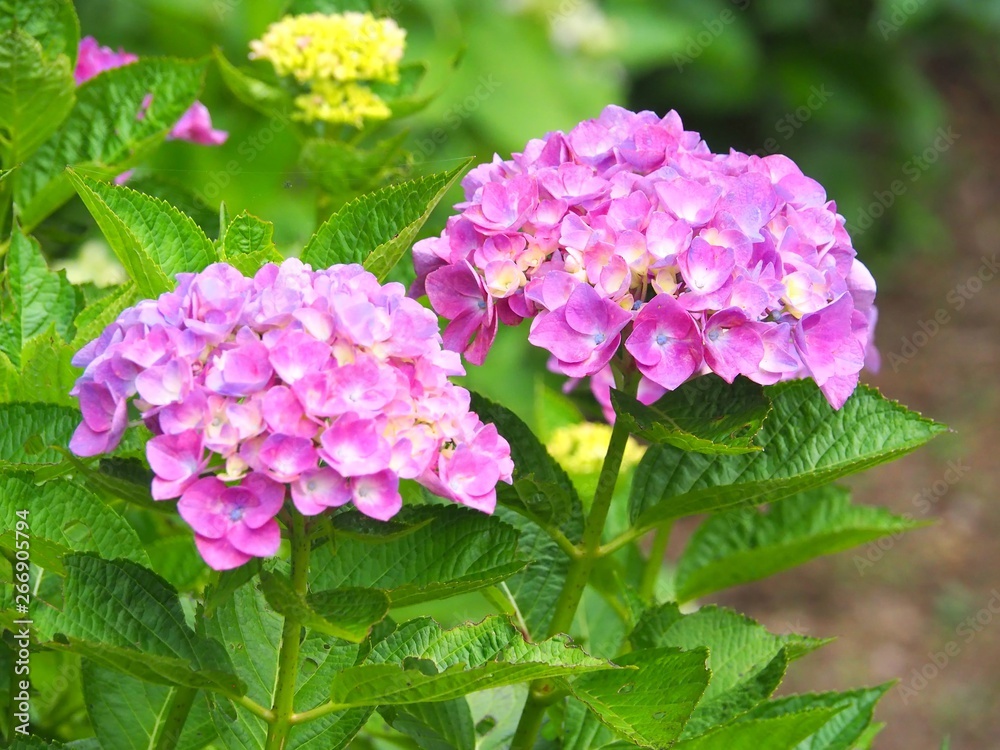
{"x":925,"y":608}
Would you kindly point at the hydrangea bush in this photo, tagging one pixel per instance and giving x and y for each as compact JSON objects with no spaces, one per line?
{"x":246,"y":504}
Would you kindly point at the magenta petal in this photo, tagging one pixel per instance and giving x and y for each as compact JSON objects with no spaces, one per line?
{"x":97,"y":404}
{"x":318,"y":490}
{"x":298,"y":353}
{"x":732,"y":345}
{"x":219,"y":554}
{"x":377,"y":495}
{"x":706,"y":267}
{"x":354,"y":447}
{"x":202,"y":507}
{"x":259,"y":542}
{"x":270,"y":496}
{"x":286,"y":457}
{"x":87,"y":442}
{"x":195,"y":126}
{"x":283,"y":413}
{"x":665,"y":342}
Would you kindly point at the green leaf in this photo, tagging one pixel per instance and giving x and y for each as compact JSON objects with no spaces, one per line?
{"x":103,"y":134}
{"x":651,"y":704}
{"x":377,"y":228}
{"x":843,"y":730}
{"x":747,"y":544}
{"x":805,"y":444}
{"x":328,"y":6}
{"x":35,"y":94}
{"x":124,"y":617}
{"x":737,"y":700}
{"x":175,"y":557}
{"x":248,"y":244}
{"x":39,"y":298}
{"x":542,"y":490}
{"x":46,"y":375}
{"x":538,"y":587}
{"x":582,"y":730}
{"x":782,"y":732}
{"x":172,"y":241}
{"x":542,"y":497}
{"x":94,"y":318}
{"x":347,"y":613}
{"x":251,"y":632}
{"x":431,"y":664}
{"x":705,"y":415}
{"x":28,"y":433}
{"x":52,"y":23}
{"x":445,"y":725}
{"x":345,"y":171}
{"x":67,"y":516}
{"x":263,"y":97}
{"x":125,"y":712}
{"x":738,"y":646}
{"x":444,"y":550}
{"x":150,"y":279}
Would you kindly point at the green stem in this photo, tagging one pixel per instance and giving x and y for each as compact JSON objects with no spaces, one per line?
{"x":168,"y":732}
{"x":651,"y":573}
{"x":580,"y":568}
{"x":291,"y":635}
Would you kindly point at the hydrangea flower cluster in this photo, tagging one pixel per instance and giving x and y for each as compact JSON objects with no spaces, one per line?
{"x":628,"y":228}
{"x":336,"y":56}
{"x":195,"y":124}
{"x":323,"y":383}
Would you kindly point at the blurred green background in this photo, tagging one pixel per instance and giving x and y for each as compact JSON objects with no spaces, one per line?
{"x":861,"y":93}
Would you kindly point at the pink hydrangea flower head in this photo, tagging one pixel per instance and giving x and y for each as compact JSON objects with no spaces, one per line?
{"x":629,"y":232}
{"x":195,"y":124}
{"x":322,"y":386}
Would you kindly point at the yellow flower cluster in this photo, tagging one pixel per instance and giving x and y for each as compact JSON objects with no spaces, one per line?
{"x":347,"y":103}
{"x":335,"y":56}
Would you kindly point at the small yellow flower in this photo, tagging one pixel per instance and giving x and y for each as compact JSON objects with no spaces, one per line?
{"x":346,"y":103}
{"x":335,"y":56}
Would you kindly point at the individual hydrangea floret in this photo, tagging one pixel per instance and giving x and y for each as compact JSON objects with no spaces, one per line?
{"x":323,"y":386}
{"x":628,"y":243}
{"x":195,"y":124}
{"x":336,"y":57}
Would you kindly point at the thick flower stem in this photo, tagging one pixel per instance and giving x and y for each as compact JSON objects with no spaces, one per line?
{"x":576,"y":580}
{"x":291,"y":635}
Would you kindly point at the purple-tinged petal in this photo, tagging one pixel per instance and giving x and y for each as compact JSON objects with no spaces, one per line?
{"x":220,"y":554}
{"x":377,"y":495}
{"x":318,"y":490}
{"x":260,"y":542}
{"x":665,"y":342}
{"x":195,"y":126}
{"x":355,"y":447}
{"x":286,"y":457}
{"x":298,"y":353}
{"x":732,"y":344}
